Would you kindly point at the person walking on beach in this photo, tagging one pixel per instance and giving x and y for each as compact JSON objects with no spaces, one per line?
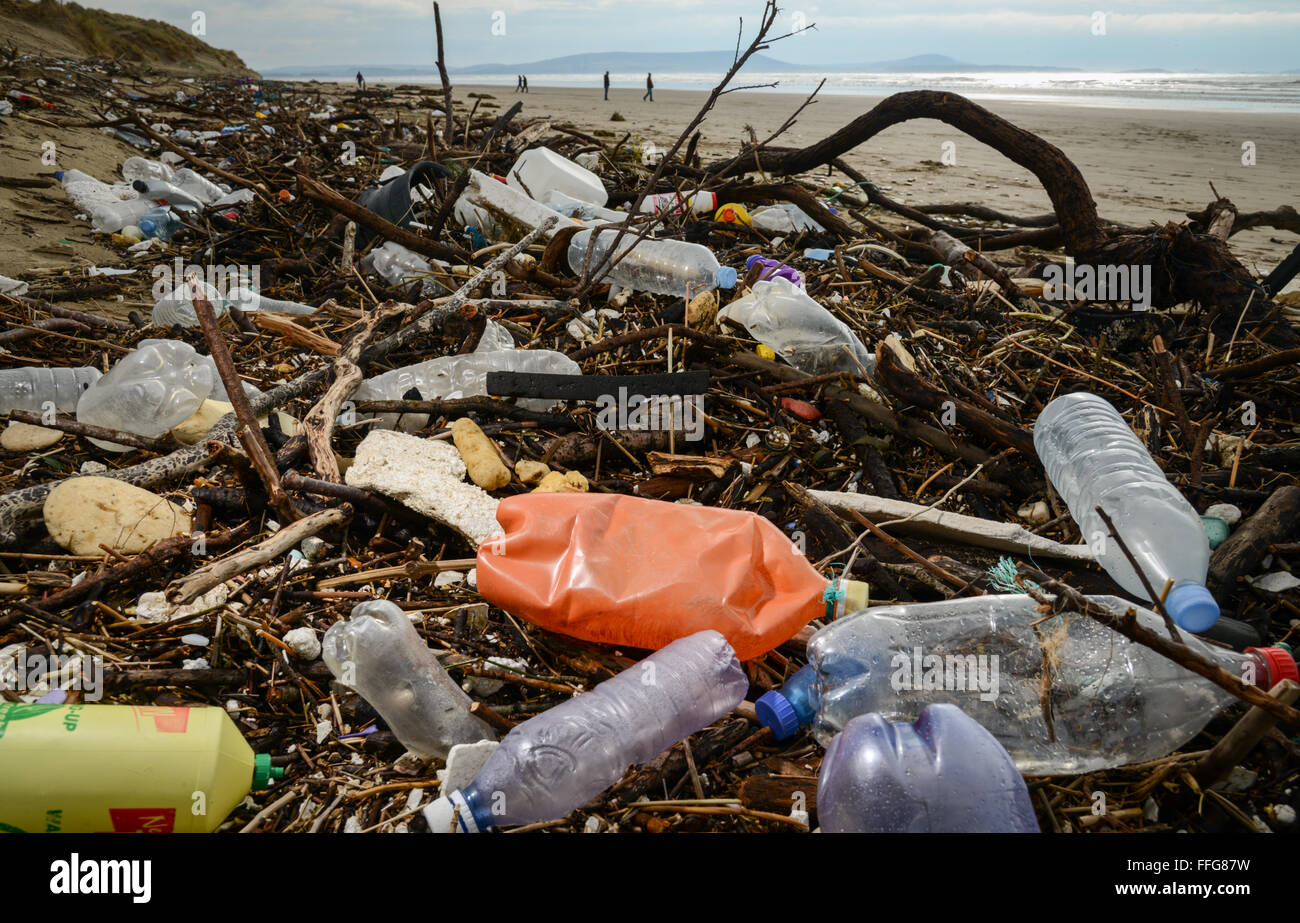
{"x":361,"y":82}
{"x":519,"y":83}
{"x":607,"y":86}
{"x":649,"y":89}
{"x":524,"y":78}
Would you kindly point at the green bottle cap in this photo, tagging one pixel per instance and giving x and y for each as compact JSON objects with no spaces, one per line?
{"x":264,"y":772}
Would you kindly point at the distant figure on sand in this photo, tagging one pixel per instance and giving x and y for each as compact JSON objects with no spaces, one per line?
{"x":606,"y":84}
{"x":361,"y":82}
{"x":519,"y":83}
{"x":524,"y":78}
{"x":649,"y":89}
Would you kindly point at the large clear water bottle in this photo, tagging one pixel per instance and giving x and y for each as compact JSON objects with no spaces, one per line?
{"x":1109,"y":701}
{"x":665,"y":267}
{"x":31,"y":388}
{"x":158,"y":385}
{"x":159,"y":222}
{"x":378,"y":653}
{"x":1093,"y":459}
{"x":558,"y":761}
{"x":942,"y":773}
{"x":785,"y":318}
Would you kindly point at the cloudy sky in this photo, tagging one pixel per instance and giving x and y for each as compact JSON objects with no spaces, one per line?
{"x":1210,"y":35}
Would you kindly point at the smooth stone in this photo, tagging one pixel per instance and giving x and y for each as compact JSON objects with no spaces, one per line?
{"x":24,"y":437}
{"x":84,"y":512}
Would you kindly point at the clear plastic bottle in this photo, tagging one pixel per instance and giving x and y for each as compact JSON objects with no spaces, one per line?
{"x":1112,"y":701}
{"x":558,"y":761}
{"x":942,"y":773}
{"x":459,"y":376}
{"x":178,"y":306}
{"x":142,"y":168}
{"x":158,"y":385}
{"x":248,"y":300}
{"x":118,"y":214}
{"x":799,"y":330}
{"x":540,"y":171}
{"x":378,"y":653}
{"x":159,"y":222}
{"x":783,"y":218}
{"x":30,"y":388}
{"x":1093,"y":459}
{"x":699,"y":202}
{"x":123,"y":768}
{"x":198,"y":186}
{"x":395,"y":264}
{"x":155,"y":190}
{"x":665,"y":267}
{"x":570,"y":207}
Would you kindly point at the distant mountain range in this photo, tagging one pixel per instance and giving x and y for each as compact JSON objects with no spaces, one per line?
{"x":675,"y":62}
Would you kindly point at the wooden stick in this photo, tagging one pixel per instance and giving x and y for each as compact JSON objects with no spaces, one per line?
{"x":1233,"y":746}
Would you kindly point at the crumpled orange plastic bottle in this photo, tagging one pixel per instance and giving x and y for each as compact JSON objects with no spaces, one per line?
{"x":643,"y":573}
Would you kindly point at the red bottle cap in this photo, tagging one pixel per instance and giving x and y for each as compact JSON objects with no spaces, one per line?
{"x":1281,"y":665}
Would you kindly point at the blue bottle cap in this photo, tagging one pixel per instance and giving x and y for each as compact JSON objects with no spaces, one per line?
{"x":147,"y":226}
{"x":775,"y":711}
{"x":1192,"y":607}
{"x":725,"y":277}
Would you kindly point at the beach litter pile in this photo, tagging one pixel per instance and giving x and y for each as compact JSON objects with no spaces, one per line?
{"x":488,"y":473}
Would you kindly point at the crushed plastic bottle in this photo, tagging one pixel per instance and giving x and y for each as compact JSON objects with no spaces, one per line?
{"x":178,"y":306}
{"x":642,"y":573}
{"x":942,"y":773}
{"x":158,"y":385}
{"x":558,"y":761}
{"x":123,"y":768}
{"x":31,"y":388}
{"x":788,"y":321}
{"x":397,"y":265}
{"x":378,"y":653}
{"x":197,"y":186}
{"x":135,"y":168}
{"x":698,"y":202}
{"x":461,"y":376}
{"x":774,"y":269}
{"x":540,"y":171}
{"x":665,"y":267}
{"x":248,"y":300}
{"x":1113,"y":701}
{"x":1093,"y":459}
{"x":118,"y":214}
{"x":583,"y":211}
{"x":155,"y":190}
{"x":783,"y":218}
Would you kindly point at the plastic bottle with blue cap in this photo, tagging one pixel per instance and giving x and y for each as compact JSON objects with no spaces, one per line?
{"x":1093,"y":459}
{"x":664,"y":267}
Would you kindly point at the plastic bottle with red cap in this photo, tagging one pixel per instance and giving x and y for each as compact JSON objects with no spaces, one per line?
{"x":1113,"y":701}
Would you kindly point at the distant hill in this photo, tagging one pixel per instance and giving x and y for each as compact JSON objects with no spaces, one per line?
{"x":675,"y":62}
{"x":71,"y":30}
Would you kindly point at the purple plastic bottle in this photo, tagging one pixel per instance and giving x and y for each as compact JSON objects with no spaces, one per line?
{"x":943,"y":773}
{"x":772,"y":269}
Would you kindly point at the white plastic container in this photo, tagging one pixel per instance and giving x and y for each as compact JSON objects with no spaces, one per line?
{"x":699,"y":202}
{"x":512,"y":214}
{"x":1093,"y":459}
{"x":540,"y":171}
{"x":142,"y":168}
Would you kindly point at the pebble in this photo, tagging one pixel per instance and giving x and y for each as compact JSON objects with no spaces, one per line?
{"x":303,"y":642}
{"x":1225,"y":511}
{"x":24,"y":437}
{"x":82,"y":513}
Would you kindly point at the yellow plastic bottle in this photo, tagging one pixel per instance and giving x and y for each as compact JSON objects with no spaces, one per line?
{"x":122,"y":768}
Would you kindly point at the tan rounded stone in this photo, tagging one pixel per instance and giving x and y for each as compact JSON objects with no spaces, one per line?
{"x":84,"y":512}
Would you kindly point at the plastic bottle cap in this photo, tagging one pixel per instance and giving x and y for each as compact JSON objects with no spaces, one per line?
{"x":1192,"y":607}
{"x":1281,"y":665}
{"x":775,"y":711}
{"x":147,"y":226}
{"x":725,"y":277}
{"x":264,"y":772}
{"x":441,"y":813}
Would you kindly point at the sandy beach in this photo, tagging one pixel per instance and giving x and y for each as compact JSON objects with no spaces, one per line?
{"x":1143,"y":165}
